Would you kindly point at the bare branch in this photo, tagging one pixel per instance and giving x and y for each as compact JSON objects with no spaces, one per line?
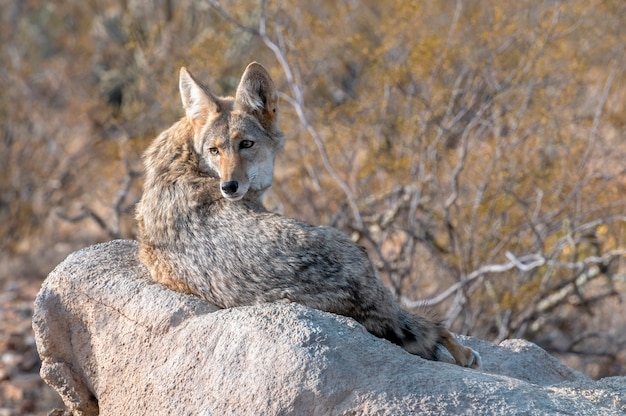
{"x":112,"y":227}
{"x":446,"y":45}
{"x":216,"y":5}
{"x":87,"y":212}
{"x":598,"y":113}
{"x":523,"y":264}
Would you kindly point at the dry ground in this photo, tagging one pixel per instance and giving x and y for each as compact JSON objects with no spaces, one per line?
{"x":22,"y":392}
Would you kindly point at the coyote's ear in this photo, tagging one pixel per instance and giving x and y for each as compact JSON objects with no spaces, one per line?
{"x":256,"y":94}
{"x":198,"y":101}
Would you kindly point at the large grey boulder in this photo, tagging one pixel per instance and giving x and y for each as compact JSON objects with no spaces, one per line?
{"x":116,"y":344}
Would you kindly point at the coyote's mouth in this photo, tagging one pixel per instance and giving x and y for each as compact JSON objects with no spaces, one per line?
{"x":232,"y":197}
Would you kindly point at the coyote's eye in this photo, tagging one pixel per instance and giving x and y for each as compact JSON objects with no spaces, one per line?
{"x":214,"y":151}
{"x":245,"y":144}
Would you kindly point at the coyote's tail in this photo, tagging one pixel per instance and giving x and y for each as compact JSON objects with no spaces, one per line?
{"x":430,"y":340}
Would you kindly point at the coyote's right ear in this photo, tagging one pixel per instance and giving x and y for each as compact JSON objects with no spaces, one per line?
{"x":198,"y":101}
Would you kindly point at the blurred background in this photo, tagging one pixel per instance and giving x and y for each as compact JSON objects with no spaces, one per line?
{"x":475,"y":148}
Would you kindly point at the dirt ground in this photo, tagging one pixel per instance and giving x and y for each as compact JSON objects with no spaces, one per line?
{"x":22,"y":392}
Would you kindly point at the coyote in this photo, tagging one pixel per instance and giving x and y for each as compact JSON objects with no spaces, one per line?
{"x":204,"y":231}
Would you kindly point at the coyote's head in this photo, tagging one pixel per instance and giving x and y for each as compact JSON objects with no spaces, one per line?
{"x":237,"y":137}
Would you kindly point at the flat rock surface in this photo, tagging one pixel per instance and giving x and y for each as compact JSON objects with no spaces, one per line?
{"x":114,"y":343}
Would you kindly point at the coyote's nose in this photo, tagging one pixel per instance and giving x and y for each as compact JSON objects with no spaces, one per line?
{"x":230,"y":188}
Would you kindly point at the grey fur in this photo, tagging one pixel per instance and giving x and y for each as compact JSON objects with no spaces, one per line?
{"x":234,"y":252}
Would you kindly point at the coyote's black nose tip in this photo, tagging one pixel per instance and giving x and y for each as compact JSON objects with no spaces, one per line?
{"x":230,"y":187}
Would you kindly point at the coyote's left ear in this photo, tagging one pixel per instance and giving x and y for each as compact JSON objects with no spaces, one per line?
{"x":257,"y":95}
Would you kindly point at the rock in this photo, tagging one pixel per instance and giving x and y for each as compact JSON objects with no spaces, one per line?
{"x":114,"y":343}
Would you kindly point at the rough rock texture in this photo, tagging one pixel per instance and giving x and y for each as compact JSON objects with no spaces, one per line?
{"x":112,"y":342}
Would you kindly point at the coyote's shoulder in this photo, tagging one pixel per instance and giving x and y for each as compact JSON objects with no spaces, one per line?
{"x":204,"y":231}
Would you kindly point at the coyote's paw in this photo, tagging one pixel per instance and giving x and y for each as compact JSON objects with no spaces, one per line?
{"x":463,"y":356}
{"x":473,"y":359}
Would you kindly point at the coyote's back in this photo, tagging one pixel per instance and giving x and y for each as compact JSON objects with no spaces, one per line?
{"x":204,"y":231}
